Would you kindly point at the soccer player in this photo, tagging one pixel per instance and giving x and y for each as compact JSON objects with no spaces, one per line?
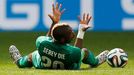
{"x":54,"y":51}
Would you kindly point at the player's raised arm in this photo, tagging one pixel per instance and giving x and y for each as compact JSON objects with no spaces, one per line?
{"x":56,"y":16}
{"x":83,"y":26}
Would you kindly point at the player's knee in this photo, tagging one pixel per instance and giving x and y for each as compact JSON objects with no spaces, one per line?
{"x":89,"y":57}
{"x":86,"y":52}
{"x":30,"y":57}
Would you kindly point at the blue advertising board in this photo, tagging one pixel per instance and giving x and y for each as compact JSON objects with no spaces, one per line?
{"x":32,"y":15}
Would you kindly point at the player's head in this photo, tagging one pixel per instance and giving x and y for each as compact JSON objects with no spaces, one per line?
{"x":62,"y":33}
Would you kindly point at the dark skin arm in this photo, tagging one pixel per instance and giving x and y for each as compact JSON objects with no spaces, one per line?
{"x":56,"y":16}
{"x":84,"y":21}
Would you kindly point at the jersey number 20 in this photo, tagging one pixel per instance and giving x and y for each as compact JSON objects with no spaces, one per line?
{"x":48,"y":63}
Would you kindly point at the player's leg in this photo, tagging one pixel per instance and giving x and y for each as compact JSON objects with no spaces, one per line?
{"x":36,"y":60}
{"x":89,"y":58}
{"x":102,"y":57}
{"x":25,"y":61}
{"x":20,"y":61}
{"x":33,"y":59}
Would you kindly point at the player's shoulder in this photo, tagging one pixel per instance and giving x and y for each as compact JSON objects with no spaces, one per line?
{"x":44,"y":38}
{"x":73,"y":48}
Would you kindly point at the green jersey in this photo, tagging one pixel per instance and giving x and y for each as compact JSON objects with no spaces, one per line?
{"x":58,"y":56}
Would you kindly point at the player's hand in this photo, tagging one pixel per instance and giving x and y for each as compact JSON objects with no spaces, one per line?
{"x":57,"y":12}
{"x":84,"y":21}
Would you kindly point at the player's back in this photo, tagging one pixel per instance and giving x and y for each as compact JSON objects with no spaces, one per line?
{"x":57,"y":56}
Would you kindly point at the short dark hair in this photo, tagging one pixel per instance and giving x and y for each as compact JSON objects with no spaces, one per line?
{"x":61,"y":33}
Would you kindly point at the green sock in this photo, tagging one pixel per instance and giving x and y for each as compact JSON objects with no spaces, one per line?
{"x":23,"y":62}
{"x":91,"y":60}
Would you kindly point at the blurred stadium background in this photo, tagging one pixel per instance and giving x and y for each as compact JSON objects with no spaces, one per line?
{"x":22,"y":21}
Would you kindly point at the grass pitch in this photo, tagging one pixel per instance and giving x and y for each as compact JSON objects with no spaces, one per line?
{"x":95,"y":41}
